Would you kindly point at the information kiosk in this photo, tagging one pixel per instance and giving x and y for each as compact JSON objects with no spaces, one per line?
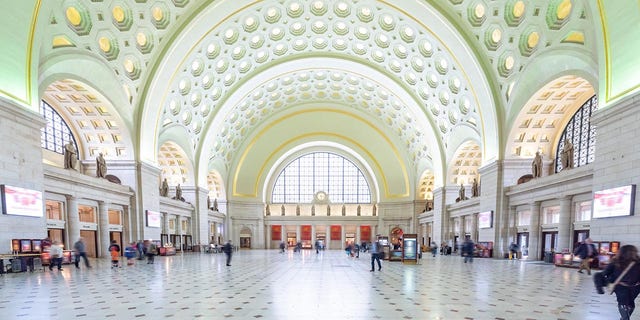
{"x":410,"y":248}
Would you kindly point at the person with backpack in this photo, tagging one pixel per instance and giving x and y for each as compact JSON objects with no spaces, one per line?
{"x":586,"y":251}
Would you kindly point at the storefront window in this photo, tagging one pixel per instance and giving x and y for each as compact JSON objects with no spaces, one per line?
{"x":524,"y":218}
{"x":54,"y":210}
{"x":114,"y":217}
{"x":87,"y":214}
{"x":583,"y":211}
{"x":551,"y":215}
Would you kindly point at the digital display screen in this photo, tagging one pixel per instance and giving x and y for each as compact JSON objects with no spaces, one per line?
{"x":410,"y":249}
{"x":614,"y":202}
{"x":485,"y":219}
{"x":21,"y":202}
{"x":153,"y":219}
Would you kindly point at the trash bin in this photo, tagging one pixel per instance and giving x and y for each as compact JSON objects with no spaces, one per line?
{"x":548,"y":257}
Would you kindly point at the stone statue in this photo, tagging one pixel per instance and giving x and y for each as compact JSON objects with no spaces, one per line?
{"x":328,"y":210}
{"x":70,"y":156}
{"x":282,"y":210}
{"x":461,"y":193}
{"x":313,"y":209}
{"x":209,"y":202}
{"x":298,"y":210}
{"x":178,"y":193}
{"x":267,"y":210}
{"x":215,"y":204}
{"x":566,"y":157}
{"x":374,"y":210}
{"x":164,"y":188}
{"x":536,"y":166}
{"x":101,"y":166}
{"x":475,"y":192}
{"x":359,"y":210}
{"x":344,"y":210}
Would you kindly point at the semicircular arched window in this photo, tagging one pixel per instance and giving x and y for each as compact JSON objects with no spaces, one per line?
{"x":55,"y":135}
{"x":321,"y":172}
{"x":581,"y":134}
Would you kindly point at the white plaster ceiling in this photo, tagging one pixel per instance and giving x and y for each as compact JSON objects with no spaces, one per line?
{"x":545,"y":115}
{"x":96,"y":127}
{"x":132,"y":37}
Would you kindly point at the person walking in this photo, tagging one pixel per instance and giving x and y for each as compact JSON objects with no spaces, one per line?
{"x":80,"y":249}
{"x":317,"y":245}
{"x":513,"y":251}
{"x":586,"y":251}
{"x":152,"y":251}
{"x":55,"y":252}
{"x":468,"y":250}
{"x":228,"y":250}
{"x":434,"y":248}
{"x":624,"y":273}
{"x":114,"y":251}
{"x":375,"y":255}
{"x":282,"y":246}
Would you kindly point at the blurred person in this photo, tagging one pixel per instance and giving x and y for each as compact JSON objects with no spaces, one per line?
{"x":586,"y":251}
{"x":55,"y":252}
{"x":375,"y":251}
{"x":228,"y":250}
{"x":80,"y":249}
{"x":624,"y":273}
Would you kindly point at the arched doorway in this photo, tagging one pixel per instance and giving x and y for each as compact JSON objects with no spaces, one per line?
{"x":245,"y":238}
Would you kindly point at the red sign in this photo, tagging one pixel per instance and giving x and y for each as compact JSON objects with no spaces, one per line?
{"x":276,"y":232}
{"x":365,"y":233}
{"x":305,"y":232}
{"x":336,"y":232}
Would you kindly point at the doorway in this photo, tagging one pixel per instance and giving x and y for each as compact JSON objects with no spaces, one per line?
{"x":549,"y":242}
{"x":578,"y":237}
{"x":58,"y":235}
{"x":292,"y":239}
{"x":90,"y":242}
{"x":523,"y":243}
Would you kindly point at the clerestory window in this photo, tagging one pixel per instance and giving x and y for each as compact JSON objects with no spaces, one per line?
{"x":321,"y":173}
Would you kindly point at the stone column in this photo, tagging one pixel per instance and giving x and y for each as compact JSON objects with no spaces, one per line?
{"x":357,"y":240}
{"x":313,"y":235}
{"x":474,"y":227}
{"x":297,"y":234}
{"x":73,"y":221}
{"x":463,"y":227}
{"x":103,"y":229}
{"x":343,"y":237}
{"x":167,"y":217}
{"x":564,"y":224}
{"x":534,"y":232}
{"x":513,"y":224}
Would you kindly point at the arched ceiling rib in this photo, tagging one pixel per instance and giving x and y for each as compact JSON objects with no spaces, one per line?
{"x":511,"y":33}
{"x":126,"y":34}
{"x":267,"y":33}
{"x":333,"y":87}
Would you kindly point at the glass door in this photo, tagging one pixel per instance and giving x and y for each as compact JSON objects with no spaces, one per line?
{"x":523,"y":244}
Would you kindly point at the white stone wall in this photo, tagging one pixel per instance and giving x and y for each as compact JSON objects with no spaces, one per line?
{"x":20,"y":166}
{"x":617,"y":163}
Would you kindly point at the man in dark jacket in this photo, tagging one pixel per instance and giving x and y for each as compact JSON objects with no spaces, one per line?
{"x":228,"y":250}
{"x":586,"y":251}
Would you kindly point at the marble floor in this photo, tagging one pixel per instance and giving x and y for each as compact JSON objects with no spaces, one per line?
{"x":265,"y":284}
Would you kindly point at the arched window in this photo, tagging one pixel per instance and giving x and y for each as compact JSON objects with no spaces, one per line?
{"x":56,"y":133}
{"x":583,"y":136}
{"x":321,"y":172}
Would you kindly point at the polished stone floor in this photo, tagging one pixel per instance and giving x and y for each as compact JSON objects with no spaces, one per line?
{"x":264,"y":284}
